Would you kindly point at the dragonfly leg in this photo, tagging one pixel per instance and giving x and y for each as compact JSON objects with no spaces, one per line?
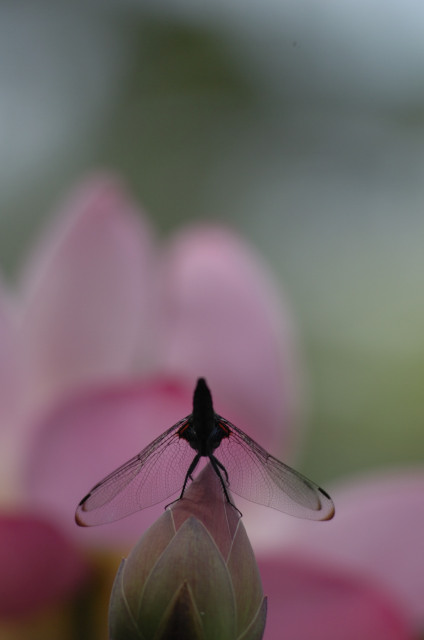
{"x":217,"y":465}
{"x":221,"y":466}
{"x":189,"y":472}
{"x":191,"y":468}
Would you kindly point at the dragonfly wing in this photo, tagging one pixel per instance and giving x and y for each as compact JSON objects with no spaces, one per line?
{"x":259,"y":477}
{"x":153,"y":475}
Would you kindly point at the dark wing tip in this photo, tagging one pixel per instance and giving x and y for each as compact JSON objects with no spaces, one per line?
{"x":79,"y":522}
{"x":80,"y":508}
{"x":327,"y":505}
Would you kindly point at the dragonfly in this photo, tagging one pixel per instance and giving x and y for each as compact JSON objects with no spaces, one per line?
{"x":167,"y":465}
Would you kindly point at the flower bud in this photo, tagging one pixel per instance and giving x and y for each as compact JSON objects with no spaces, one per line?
{"x":192,"y":575}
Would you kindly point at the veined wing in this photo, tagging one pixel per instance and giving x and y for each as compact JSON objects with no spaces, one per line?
{"x":259,"y":477}
{"x":153,"y":475}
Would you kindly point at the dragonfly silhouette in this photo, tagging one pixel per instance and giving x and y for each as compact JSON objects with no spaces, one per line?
{"x":167,"y":464}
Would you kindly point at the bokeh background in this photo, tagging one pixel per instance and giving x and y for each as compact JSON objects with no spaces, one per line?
{"x":298,"y":123}
{"x":301,"y":124}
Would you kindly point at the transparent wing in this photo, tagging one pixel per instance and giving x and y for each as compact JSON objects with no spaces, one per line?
{"x":259,"y":477}
{"x":153,"y":475}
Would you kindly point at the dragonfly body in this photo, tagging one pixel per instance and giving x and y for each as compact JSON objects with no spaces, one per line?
{"x":202,"y":431}
{"x":167,"y":465}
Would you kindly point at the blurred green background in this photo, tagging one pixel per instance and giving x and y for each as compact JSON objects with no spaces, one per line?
{"x":300,"y":124}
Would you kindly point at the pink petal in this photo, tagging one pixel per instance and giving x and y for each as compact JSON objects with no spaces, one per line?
{"x":39,"y":566}
{"x":223,"y":320}
{"x":378,"y":530}
{"x":89,"y":437}
{"x":308,"y":601}
{"x":88,"y":290}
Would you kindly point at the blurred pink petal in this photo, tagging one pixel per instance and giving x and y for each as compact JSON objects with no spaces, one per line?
{"x":378,"y":531}
{"x":88,"y":437}
{"x":223,"y":320}
{"x":88,"y":289}
{"x":38,"y":565}
{"x":309,"y":601}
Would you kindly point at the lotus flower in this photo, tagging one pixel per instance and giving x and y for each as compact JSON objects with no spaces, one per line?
{"x":192,"y":575}
{"x":135,"y":326}
{"x":100,"y":343}
{"x":101,"y":346}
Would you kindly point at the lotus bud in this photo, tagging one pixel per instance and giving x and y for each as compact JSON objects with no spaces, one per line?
{"x":192,"y":575}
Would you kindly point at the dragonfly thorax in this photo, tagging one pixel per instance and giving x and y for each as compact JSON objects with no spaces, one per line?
{"x":202,"y":434}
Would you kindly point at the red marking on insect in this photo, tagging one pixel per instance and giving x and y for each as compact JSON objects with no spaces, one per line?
{"x":183,"y":428}
{"x":225,"y":428}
